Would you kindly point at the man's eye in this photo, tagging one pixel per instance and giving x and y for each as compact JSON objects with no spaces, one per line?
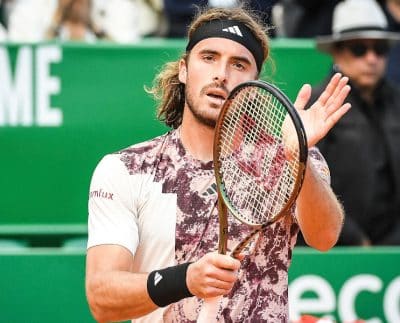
{"x":208,"y":58}
{"x":239,"y":66}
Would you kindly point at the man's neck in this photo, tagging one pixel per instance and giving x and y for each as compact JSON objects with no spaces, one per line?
{"x":197,"y":139}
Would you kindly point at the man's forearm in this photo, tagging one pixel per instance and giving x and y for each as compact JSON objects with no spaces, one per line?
{"x":118,"y":296}
{"x":319,"y":213}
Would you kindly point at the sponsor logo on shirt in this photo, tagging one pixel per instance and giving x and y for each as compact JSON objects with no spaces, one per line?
{"x":101,"y":194}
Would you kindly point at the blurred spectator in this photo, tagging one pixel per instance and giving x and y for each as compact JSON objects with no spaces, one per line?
{"x":5,"y":8}
{"x":179,"y":13}
{"x":3,"y":33}
{"x":29,"y":20}
{"x":127,"y":21}
{"x":71,"y":22}
{"x":304,"y":18}
{"x":122,"y":21}
{"x":1,"y":13}
{"x":363,"y":149}
{"x":310,"y":18}
{"x":392,"y":12}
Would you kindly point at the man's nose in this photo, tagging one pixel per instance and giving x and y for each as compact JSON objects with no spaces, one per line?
{"x":221,"y":73}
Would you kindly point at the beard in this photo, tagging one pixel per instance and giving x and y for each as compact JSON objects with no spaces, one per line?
{"x":199,"y":115}
{"x":204,"y":116}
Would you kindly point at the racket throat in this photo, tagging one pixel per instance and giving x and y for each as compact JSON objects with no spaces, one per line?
{"x":223,"y":226}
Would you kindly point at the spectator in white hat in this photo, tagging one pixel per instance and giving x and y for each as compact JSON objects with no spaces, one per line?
{"x":363,"y":149}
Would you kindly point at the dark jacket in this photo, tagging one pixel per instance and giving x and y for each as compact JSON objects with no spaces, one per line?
{"x":314,"y":18}
{"x":363,"y":154}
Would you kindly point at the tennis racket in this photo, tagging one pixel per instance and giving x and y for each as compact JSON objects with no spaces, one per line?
{"x":260,"y":154}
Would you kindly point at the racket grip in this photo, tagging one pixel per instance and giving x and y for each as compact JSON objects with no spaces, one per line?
{"x":209,"y":310}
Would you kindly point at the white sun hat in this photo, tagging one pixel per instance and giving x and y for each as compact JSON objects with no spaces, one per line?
{"x":357,"y":19}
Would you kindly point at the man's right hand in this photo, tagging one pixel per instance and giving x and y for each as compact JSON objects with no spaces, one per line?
{"x":212,"y":275}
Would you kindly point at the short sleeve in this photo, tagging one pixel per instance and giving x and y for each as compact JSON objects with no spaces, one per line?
{"x":320,"y":164}
{"x":112,"y":216}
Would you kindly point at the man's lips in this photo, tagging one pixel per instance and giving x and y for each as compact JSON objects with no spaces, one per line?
{"x":218,"y":96}
{"x":217,"y":93}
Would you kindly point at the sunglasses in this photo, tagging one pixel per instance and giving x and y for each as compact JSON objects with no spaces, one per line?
{"x":360,"y":49}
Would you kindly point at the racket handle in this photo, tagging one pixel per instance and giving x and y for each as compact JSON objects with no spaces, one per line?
{"x":208,"y":312}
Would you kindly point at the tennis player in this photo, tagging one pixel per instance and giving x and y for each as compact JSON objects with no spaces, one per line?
{"x":153,"y":224}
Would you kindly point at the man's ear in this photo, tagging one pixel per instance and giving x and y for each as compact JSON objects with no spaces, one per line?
{"x":182,"y":71}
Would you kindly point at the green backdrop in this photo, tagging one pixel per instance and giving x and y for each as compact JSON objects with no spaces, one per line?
{"x":47,"y":285}
{"x":46,"y":169}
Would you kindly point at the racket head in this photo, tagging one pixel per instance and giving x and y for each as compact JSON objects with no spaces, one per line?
{"x":258,"y":170}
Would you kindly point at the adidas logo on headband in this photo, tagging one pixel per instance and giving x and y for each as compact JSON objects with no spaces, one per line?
{"x":229,"y":29}
{"x":233,"y":30}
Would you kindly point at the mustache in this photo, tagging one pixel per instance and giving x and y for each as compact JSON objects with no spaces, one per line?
{"x":215,"y":85}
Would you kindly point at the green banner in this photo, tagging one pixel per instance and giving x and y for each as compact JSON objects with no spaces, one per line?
{"x":346,"y":284}
{"x":62,"y":107}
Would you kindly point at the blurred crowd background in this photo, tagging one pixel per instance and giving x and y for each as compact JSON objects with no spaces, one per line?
{"x":127,"y":21}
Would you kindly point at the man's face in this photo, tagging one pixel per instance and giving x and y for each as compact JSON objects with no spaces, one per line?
{"x":214,"y":67}
{"x":363,"y":61}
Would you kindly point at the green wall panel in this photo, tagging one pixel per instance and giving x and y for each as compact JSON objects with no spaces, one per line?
{"x":47,"y":285}
{"x":97,"y":93}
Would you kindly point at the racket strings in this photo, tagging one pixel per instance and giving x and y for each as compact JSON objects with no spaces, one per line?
{"x":258,"y":163}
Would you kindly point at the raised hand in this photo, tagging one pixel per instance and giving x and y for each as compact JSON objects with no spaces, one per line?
{"x":326,"y":111}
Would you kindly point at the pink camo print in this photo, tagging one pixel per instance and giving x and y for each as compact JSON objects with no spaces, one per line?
{"x":260,"y":295}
